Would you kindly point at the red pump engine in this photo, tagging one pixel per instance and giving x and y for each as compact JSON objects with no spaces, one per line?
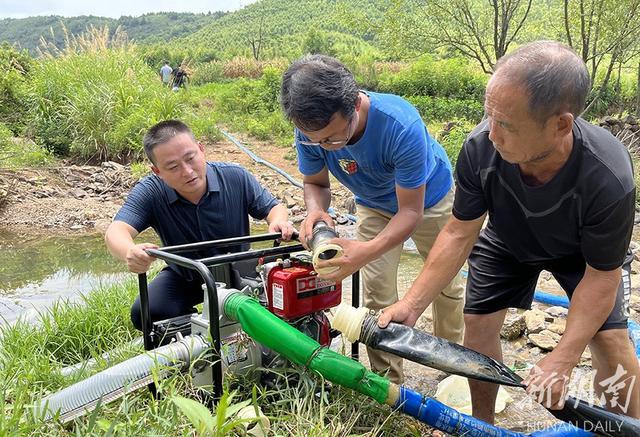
{"x":295,"y":293}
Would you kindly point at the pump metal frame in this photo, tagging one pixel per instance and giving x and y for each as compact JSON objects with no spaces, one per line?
{"x":169,"y":254}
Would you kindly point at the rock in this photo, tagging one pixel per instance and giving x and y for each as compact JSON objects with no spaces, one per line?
{"x":535,"y":321}
{"x":101,"y":225}
{"x":75,"y":227}
{"x":513,"y":328}
{"x":545,"y":340}
{"x":634,"y":302}
{"x":350,"y":205}
{"x":630,"y":119}
{"x":288,"y":200}
{"x":113,"y":165}
{"x":78,"y":193}
{"x":558,"y":326}
{"x":90,"y":214}
{"x":557,"y":311}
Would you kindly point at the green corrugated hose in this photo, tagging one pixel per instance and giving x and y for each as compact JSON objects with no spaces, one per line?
{"x":278,"y":336}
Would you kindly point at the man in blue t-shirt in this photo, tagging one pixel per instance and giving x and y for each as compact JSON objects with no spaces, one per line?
{"x":379,"y":148}
{"x":186,"y":200}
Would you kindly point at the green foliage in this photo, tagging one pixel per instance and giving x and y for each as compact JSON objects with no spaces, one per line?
{"x":20,"y":152}
{"x":140,"y":169}
{"x":430,"y":77}
{"x":316,"y":41}
{"x":155,"y":55}
{"x":252,"y":106}
{"x":207,"y":72}
{"x":95,"y":102}
{"x":204,"y":126}
{"x":452,"y":136}
{"x":278,"y":27}
{"x":444,"y":108}
{"x":15,"y":66}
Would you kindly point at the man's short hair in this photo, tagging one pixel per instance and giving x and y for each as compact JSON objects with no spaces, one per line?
{"x":314,"y":88}
{"x":162,"y":132}
{"x":555,"y":77}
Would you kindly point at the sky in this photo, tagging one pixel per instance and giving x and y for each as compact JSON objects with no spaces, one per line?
{"x":112,"y":8}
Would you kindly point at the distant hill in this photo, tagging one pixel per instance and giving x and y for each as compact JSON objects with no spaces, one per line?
{"x":148,"y":28}
{"x":283,"y":24}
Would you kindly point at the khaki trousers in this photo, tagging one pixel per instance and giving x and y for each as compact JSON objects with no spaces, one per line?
{"x":379,"y":279}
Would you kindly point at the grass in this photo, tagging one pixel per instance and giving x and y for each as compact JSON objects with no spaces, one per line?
{"x":31,"y":358}
{"x":20,"y":152}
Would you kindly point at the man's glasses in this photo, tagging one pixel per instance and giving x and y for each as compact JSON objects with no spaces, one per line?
{"x":334,"y":142}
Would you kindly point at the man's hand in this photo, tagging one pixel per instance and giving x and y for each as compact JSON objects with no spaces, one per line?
{"x":285,"y":228}
{"x":548,"y":381}
{"x":400,"y":312}
{"x":306,"y":228}
{"x":138,"y":260}
{"x":356,"y":255}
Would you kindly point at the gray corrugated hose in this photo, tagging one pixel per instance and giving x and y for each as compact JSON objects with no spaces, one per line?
{"x":118,"y":380}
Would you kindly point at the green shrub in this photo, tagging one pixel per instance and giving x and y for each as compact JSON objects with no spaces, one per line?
{"x":204,"y":127}
{"x":442,"y":78}
{"x":443,"y":108}
{"x":207,"y":72}
{"x":140,"y":169}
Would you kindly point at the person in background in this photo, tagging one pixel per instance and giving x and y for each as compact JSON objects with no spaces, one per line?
{"x":165,"y":73}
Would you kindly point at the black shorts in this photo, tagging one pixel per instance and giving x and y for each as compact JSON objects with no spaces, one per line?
{"x":498,"y":281}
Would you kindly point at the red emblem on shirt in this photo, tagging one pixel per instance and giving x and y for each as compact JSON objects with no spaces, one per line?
{"x":349,"y":166}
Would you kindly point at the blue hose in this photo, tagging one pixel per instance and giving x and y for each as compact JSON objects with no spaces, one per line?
{"x":277,"y":169}
{"x":438,"y":415}
{"x":259,"y":160}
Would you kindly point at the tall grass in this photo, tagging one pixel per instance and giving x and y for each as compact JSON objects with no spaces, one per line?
{"x":31,"y":358}
{"x":95,"y":97}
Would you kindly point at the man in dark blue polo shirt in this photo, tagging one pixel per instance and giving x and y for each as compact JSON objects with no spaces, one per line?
{"x":186,"y":200}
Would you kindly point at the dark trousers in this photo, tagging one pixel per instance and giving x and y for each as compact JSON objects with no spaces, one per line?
{"x":170,"y":295}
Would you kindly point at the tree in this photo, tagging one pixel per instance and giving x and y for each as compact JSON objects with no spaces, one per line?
{"x":481,"y":33}
{"x":317,"y":41}
{"x":481,"y":30}
{"x":604,"y":33}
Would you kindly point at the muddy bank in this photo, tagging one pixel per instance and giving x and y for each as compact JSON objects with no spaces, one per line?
{"x":74,"y":198}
